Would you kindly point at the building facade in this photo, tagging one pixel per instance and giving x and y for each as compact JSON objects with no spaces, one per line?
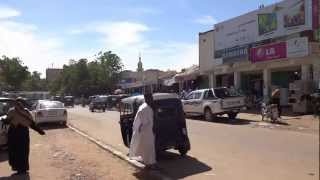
{"x":268,"y":48}
{"x":52,"y":74}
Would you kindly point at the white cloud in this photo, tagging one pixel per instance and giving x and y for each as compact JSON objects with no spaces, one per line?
{"x":127,"y":39}
{"x":38,"y":53}
{"x":6,"y":12}
{"x":206,"y":20}
{"x":122,"y":34}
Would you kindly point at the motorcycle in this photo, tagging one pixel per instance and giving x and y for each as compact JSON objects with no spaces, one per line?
{"x":269,"y":111}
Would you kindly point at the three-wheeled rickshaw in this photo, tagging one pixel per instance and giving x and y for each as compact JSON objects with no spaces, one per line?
{"x":169,"y":121}
{"x":113,"y":101}
{"x":68,"y":101}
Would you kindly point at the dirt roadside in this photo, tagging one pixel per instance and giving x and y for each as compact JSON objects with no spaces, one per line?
{"x":64,"y":155}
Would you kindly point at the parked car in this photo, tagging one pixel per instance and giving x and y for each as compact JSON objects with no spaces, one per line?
{"x":113,"y":101}
{"x":56,"y":98}
{"x":68,"y":101}
{"x":212,"y":102}
{"x":5,"y":105}
{"x":99,"y":102}
{"x":50,"y":111}
{"x":169,"y":121}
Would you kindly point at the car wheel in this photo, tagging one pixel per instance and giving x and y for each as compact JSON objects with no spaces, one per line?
{"x":92,"y":110}
{"x":208,"y":114}
{"x":232,"y":115}
{"x":63,"y":123}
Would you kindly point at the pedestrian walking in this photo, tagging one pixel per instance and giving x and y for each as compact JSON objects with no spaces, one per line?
{"x":142,"y":146}
{"x":275,"y":99}
{"x":20,"y":119}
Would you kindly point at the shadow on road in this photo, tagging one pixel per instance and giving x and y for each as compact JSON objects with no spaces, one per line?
{"x":286,"y":111}
{"x":145,"y":175}
{"x":50,"y":126}
{"x":224,"y":120}
{"x":177,"y":167}
{"x":16,"y":177}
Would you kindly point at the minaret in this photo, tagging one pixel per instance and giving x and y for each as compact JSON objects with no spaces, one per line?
{"x":140,"y":69}
{"x":140,"y":66}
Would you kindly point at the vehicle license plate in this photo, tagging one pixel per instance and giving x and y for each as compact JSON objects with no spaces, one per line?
{"x":52,"y":113}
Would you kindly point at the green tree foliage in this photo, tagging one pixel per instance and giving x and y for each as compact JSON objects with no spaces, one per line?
{"x":35,"y":83}
{"x":87,"y":78}
{"x":13,"y":73}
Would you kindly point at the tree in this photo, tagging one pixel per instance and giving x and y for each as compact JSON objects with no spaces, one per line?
{"x":35,"y":83}
{"x":87,"y":78}
{"x":111,"y":67}
{"x":13,"y":72}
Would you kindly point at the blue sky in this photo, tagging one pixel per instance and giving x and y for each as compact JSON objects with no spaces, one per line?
{"x":49,"y":32}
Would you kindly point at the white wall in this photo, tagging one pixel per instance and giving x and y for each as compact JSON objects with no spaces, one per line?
{"x":206,"y":51}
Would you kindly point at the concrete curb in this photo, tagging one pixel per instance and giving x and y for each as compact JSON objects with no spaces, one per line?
{"x":117,"y":153}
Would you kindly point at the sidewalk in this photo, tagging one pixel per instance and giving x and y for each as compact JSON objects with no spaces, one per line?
{"x":64,"y":155}
{"x":289,"y":121}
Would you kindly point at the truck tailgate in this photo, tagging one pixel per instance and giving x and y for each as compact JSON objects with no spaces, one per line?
{"x":232,"y":102}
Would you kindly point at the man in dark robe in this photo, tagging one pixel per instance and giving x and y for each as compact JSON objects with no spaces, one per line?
{"x":20,"y":120}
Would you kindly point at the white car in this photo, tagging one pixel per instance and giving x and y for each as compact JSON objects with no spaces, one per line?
{"x":212,"y":102}
{"x":4,"y":107}
{"x":46,"y":111}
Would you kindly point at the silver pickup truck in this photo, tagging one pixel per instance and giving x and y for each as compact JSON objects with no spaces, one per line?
{"x":212,"y":102}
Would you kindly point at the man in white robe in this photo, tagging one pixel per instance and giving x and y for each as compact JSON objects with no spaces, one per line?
{"x":142,"y":146}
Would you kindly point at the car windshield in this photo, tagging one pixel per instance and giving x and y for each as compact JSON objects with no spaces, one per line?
{"x":44,"y":105}
{"x":99,"y":99}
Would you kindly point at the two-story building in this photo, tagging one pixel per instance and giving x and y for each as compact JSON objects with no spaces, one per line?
{"x":265,"y":49}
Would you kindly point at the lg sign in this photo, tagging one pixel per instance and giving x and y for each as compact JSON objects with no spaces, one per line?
{"x":268,"y":52}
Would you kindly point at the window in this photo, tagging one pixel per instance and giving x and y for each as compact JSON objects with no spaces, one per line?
{"x":190,"y":96}
{"x":197,"y":95}
{"x":209,"y":95}
{"x":49,"y":104}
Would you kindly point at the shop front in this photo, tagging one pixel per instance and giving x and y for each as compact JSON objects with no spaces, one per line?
{"x":252,"y":84}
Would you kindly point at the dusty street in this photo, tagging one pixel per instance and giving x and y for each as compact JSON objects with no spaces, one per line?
{"x":244,"y":149}
{"x":64,"y":155}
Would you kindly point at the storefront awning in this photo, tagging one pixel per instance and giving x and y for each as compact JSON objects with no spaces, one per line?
{"x":169,"y":81}
{"x":189,"y":74}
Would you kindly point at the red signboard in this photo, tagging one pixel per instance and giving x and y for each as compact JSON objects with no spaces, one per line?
{"x":268,"y":52}
{"x":315,"y":14}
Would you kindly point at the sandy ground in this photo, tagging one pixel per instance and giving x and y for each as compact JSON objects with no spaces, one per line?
{"x":64,"y":155}
{"x":242,"y":149}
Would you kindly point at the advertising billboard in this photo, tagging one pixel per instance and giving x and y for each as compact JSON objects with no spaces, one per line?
{"x":297,"y":47}
{"x":292,"y":48}
{"x":295,"y":16}
{"x":267,"y":23}
{"x":268,"y":52}
{"x":280,"y":19}
{"x":235,"y":54}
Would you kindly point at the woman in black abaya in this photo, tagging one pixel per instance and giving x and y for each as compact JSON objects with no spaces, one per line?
{"x":20,"y":120}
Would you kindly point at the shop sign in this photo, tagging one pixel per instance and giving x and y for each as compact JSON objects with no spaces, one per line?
{"x":235,"y":54}
{"x":217,"y":61}
{"x":268,"y":52}
{"x":297,"y":47}
{"x":283,"y":18}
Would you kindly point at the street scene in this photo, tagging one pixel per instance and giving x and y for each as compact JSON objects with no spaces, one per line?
{"x":159,"y":90}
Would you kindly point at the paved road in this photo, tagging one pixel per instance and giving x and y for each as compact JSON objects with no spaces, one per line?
{"x":221,"y":150}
